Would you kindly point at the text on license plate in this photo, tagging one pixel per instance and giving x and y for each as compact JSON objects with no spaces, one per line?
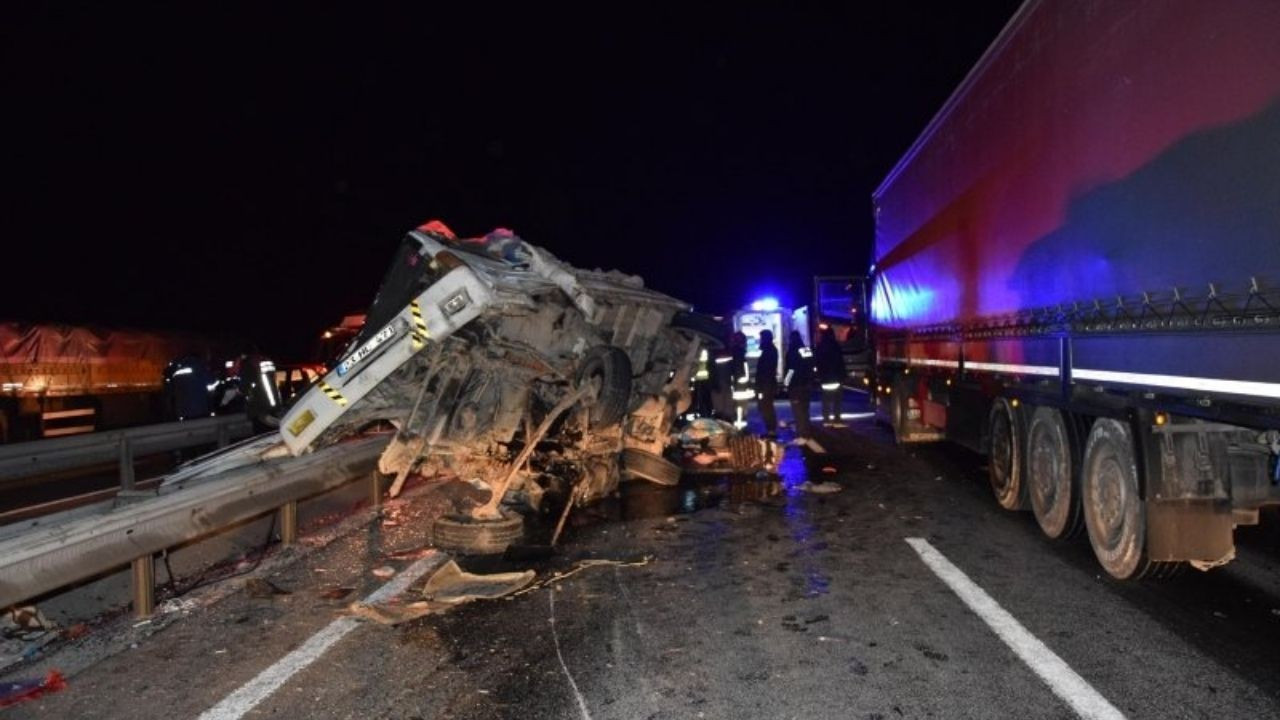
{"x":366,"y":350}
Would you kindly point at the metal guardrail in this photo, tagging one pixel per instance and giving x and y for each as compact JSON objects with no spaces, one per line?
{"x":20,"y":460}
{"x":55,"y":556}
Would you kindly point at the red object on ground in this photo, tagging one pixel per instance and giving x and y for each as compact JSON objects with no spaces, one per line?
{"x":15,"y":692}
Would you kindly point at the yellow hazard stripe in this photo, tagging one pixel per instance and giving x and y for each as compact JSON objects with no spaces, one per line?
{"x":333,"y":393}
{"x":419,"y":326}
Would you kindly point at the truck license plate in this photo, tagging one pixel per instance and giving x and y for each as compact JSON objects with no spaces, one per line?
{"x":366,"y":350}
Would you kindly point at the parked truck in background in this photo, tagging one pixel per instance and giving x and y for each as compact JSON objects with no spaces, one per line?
{"x":62,"y":380}
{"x":1077,"y":271}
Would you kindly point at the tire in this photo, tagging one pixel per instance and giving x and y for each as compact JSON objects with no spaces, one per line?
{"x":900,"y":410}
{"x":1053,"y":488}
{"x":1113,"y":510}
{"x":608,"y":369}
{"x":711,"y":330}
{"x":647,"y":466}
{"x":1006,"y":464}
{"x":466,"y":536}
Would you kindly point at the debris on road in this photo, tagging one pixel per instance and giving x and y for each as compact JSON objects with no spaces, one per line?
{"x":583,"y":565}
{"x":12,"y":693}
{"x":260,"y":588}
{"x":715,"y":446}
{"x":448,"y":587}
{"x":453,"y":586}
{"x":821,"y":488}
{"x":384,"y":572}
{"x":336,"y":593}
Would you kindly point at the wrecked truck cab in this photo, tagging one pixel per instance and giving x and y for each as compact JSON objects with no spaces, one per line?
{"x":507,"y":368}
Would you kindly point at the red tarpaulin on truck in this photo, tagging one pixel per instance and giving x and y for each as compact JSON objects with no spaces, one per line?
{"x":57,"y":360}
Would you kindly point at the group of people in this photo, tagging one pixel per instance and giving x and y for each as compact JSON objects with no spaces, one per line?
{"x":733,"y":387}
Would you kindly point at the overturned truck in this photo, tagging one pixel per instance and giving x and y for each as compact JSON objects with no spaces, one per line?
{"x":500,"y":365}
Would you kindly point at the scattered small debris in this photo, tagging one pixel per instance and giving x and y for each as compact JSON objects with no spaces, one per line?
{"x":12,"y":693}
{"x":76,"y":631}
{"x":412,"y":554}
{"x":828,"y":470}
{"x":384,"y":572}
{"x":260,"y":588}
{"x":822,"y":488}
{"x":336,"y":593}
{"x":173,"y":605}
{"x":1218,"y":614}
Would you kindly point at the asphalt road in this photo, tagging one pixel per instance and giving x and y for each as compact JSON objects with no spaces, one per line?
{"x":761,"y":601}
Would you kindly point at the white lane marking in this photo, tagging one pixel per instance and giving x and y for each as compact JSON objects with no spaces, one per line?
{"x":1232,"y":387}
{"x":1013,"y":369}
{"x":555,"y":637}
{"x":240,"y":702}
{"x":1065,"y":683}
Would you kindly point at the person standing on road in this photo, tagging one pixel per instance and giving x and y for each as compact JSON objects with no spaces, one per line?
{"x":767,"y":382}
{"x":831,"y":373}
{"x":799,"y":381}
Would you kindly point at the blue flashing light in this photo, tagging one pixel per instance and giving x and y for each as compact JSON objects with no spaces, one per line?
{"x":765,"y":304}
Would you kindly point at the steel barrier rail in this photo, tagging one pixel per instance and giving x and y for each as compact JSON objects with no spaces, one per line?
{"x":20,"y":460}
{"x":52,"y":557}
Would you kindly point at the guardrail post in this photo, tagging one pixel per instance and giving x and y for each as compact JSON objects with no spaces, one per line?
{"x":144,"y":586}
{"x":126,"y":464}
{"x":289,"y":523}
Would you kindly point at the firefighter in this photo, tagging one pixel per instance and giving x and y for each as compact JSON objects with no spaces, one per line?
{"x":767,"y":382}
{"x":831,"y":373}
{"x":722,"y":378}
{"x":799,"y":381}
{"x":741,"y":375}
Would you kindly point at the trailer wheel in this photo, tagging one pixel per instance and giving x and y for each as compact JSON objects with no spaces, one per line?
{"x":1006,"y":464}
{"x":1052,"y":486}
{"x":900,"y":409}
{"x":1113,"y":510}
{"x":467,"y":536}
{"x":607,"y":370}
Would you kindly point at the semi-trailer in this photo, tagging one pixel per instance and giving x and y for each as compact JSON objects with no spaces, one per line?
{"x":1077,"y":271}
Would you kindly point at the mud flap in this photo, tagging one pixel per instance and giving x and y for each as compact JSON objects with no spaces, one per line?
{"x":1201,"y":532}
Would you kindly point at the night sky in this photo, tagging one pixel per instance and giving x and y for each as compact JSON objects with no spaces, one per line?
{"x":250,"y":171}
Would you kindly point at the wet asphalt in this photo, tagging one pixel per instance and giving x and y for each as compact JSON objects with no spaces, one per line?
{"x":758,"y":600}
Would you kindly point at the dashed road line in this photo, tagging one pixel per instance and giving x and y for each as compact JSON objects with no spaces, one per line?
{"x":240,"y":702}
{"x":1074,"y":690}
{"x":555,"y":637}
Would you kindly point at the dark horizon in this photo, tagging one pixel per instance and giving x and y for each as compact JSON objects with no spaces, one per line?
{"x":251,"y":174}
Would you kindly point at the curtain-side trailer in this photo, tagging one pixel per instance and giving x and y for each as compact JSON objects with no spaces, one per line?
{"x":1077,"y":271}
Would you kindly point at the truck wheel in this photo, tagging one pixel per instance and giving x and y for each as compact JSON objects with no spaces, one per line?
{"x":900,"y":410}
{"x":1006,"y":463}
{"x":647,"y":466}
{"x":607,"y":370}
{"x":467,"y":536}
{"x":1113,"y":510}
{"x":1051,"y":475}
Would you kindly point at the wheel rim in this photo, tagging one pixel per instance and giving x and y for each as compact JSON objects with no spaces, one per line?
{"x":1003,"y":459}
{"x":1113,"y":509}
{"x":1049,"y":469}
